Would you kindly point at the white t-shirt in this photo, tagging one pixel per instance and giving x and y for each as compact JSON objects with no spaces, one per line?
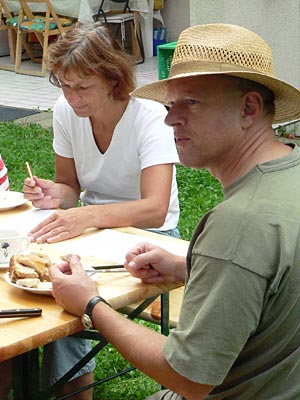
{"x":140,"y":140}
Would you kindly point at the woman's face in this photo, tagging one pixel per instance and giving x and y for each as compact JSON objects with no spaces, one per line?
{"x":86,"y":95}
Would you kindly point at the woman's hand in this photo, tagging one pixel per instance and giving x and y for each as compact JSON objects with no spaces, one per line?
{"x":61,"y":225}
{"x":152,"y":264}
{"x":43,"y":193}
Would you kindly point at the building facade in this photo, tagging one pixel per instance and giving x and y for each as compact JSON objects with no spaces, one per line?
{"x":276,"y":21}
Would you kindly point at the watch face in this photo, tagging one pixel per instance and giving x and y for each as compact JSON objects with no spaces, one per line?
{"x":86,"y":321}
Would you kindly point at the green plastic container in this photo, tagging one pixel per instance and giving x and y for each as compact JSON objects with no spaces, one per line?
{"x":164,"y":59}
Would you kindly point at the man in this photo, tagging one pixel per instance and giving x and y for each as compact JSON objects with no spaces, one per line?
{"x":238,"y":335}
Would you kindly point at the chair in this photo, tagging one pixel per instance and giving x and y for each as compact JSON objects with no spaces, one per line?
{"x":112,"y":18}
{"x":9,"y":22}
{"x":5,"y":17}
{"x":103,"y":13}
{"x":43,"y":27}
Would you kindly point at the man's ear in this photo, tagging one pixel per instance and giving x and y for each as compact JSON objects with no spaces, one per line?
{"x":252,"y":104}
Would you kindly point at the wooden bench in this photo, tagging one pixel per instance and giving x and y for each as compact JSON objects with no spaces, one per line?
{"x":153,"y":312}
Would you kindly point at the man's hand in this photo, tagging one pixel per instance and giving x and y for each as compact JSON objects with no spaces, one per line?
{"x":153,"y":264}
{"x":72,"y":288}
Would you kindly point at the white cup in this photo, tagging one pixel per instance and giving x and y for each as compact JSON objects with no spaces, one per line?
{"x":11,"y":242}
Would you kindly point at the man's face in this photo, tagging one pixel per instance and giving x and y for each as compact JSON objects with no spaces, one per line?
{"x":205,"y":115}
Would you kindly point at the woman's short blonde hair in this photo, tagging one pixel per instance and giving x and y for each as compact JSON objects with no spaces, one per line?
{"x":90,"y":49}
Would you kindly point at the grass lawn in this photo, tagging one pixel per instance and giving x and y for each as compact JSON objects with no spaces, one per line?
{"x":198,"y":192}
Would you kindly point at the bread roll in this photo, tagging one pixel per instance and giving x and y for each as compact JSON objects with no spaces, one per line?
{"x":30,"y":283}
{"x":29,"y":266}
{"x":67,"y":257}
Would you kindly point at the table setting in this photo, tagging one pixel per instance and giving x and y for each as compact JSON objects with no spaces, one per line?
{"x":10,"y":199}
{"x":102,"y":254}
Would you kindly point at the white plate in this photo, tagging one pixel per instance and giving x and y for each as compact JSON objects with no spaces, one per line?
{"x":9,"y":200}
{"x":45,"y":287}
{"x":4,"y":266}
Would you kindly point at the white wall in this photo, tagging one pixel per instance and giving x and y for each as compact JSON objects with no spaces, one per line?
{"x":176,"y":14}
{"x":276,"y":21}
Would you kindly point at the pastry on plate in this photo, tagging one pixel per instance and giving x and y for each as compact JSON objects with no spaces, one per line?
{"x":29,"y":270}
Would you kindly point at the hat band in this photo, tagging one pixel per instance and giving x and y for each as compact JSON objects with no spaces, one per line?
{"x":192,"y":67}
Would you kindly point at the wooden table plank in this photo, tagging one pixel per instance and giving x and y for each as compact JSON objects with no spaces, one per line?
{"x":21,"y":335}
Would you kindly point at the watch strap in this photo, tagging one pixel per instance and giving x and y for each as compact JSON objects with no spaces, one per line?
{"x":86,"y":318}
{"x":91,"y":304}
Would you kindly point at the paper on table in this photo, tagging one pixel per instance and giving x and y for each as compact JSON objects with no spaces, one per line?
{"x":27,"y":220}
{"x":107,"y":245}
{"x":112,"y":246}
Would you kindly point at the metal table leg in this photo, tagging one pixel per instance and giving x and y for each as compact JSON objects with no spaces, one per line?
{"x":26,"y":369}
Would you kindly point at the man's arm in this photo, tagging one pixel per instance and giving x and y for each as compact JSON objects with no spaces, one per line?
{"x":142,"y":347}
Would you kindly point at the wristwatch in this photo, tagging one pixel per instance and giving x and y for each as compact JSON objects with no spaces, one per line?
{"x":86,"y":319}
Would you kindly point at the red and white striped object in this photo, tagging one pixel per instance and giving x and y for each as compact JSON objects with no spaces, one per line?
{"x":4,"y":182}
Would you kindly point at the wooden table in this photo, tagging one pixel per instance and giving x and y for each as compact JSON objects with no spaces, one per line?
{"x":19,"y":336}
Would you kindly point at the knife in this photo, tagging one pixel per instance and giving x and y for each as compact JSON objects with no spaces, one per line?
{"x":21,"y":312}
{"x":105,"y":268}
{"x":101,"y":267}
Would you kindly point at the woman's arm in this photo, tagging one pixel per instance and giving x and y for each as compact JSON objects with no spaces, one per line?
{"x":148,"y":212}
{"x":66,"y":177}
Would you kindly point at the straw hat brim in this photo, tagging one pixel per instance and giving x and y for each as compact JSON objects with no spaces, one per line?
{"x":287,"y":97}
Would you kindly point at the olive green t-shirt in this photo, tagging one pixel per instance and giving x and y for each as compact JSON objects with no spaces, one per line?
{"x":239,"y":327}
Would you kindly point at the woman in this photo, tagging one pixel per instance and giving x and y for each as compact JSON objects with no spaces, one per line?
{"x":113,"y":147}
{"x":112,"y":152}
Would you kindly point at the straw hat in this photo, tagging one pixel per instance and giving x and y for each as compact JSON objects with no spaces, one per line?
{"x":230,"y":50}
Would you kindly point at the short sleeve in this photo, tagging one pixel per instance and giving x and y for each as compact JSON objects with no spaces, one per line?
{"x":62,"y":126}
{"x":221,"y":308}
{"x":155,"y":139}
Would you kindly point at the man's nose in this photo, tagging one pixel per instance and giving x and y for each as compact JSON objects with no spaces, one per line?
{"x":174,"y":116}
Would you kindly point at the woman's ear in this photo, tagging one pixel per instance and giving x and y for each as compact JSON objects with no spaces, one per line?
{"x":252,"y":104}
